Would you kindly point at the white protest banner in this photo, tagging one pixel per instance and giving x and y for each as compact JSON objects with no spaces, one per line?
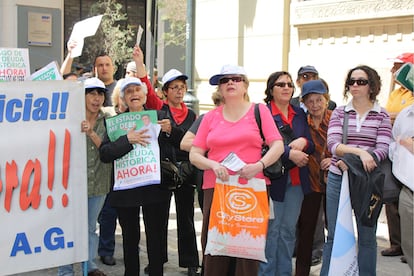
{"x":81,"y":30}
{"x":14,"y":64}
{"x":344,"y":257}
{"x":49,"y":72}
{"x":43,"y":178}
{"x":141,"y":166}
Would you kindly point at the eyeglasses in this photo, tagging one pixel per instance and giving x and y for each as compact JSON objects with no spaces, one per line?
{"x":283,"y":84}
{"x":233,"y":79}
{"x":360,"y":82}
{"x":177,"y":88}
{"x":308,"y":76}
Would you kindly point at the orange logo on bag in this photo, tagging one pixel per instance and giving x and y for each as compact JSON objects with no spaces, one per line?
{"x":241,"y":201}
{"x":236,"y":210}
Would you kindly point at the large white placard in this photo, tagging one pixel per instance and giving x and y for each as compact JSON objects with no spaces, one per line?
{"x":43,"y":180}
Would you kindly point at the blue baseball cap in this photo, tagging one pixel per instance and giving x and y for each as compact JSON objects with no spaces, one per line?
{"x":313,"y":86}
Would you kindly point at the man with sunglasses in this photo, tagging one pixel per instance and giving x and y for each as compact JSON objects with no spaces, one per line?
{"x":305,"y":74}
{"x":398,"y":99}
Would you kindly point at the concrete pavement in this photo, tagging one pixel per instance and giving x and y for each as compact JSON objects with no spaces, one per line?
{"x":386,"y":266}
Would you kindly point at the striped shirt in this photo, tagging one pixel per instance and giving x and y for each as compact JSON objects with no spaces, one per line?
{"x":371,"y":132}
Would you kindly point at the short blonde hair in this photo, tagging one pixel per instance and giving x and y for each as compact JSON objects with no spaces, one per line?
{"x":217,"y":98}
{"x":115,"y":93}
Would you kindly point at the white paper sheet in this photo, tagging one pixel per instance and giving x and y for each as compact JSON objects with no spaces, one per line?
{"x":82,"y":29}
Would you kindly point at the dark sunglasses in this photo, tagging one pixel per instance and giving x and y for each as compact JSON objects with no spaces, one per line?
{"x":360,"y":82}
{"x":233,"y":79}
{"x":283,"y":84}
{"x":308,"y":76}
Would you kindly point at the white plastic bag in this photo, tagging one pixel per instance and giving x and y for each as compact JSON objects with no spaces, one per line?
{"x":238,"y":219}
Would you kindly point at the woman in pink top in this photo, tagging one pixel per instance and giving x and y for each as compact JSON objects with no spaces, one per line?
{"x":232,"y":128}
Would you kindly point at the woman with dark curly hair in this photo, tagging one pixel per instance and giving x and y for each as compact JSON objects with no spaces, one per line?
{"x":369,"y":132}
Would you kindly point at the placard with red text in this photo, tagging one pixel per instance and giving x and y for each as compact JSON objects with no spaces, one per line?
{"x":141,"y":166}
{"x":43,"y":181}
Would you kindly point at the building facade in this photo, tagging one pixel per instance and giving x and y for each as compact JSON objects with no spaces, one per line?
{"x":14,"y":29}
{"x":266,"y":36}
{"x":261,"y":35}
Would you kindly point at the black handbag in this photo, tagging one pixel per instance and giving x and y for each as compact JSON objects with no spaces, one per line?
{"x":276,"y":169}
{"x":170,"y":175}
{"x":175,"y":174}
{"x":187,"y":172}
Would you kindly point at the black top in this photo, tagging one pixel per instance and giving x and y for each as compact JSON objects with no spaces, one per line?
{"x":194,"y":127}
{"x":172,"y":150}
{"x":108,"y":93}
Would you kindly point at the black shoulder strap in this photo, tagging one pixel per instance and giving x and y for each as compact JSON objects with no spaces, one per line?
{"x":167,"y":111}
{"x":258,"y":120}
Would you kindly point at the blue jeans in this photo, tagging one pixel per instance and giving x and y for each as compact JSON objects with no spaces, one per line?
{"x":281,"y":234}
{"x":107,"y":226}
{"x":367,"y":240}
{"x":95,"y":204}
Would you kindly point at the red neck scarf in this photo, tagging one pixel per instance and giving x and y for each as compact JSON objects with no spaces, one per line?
{"x":178,"y":114}
{"x":276,"y":111}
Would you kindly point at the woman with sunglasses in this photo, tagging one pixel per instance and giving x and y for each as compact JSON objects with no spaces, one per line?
{"x":369,"y":131}
{"x":229,"y":128}
{"x":287,"y":191}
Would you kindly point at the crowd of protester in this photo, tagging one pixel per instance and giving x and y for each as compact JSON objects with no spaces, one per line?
{"x":304,"y":200}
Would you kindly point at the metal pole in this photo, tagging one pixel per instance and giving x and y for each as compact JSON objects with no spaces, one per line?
{"x":85,"y":268}
{"x":189,"y":48}
{"x":190,"y":98}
